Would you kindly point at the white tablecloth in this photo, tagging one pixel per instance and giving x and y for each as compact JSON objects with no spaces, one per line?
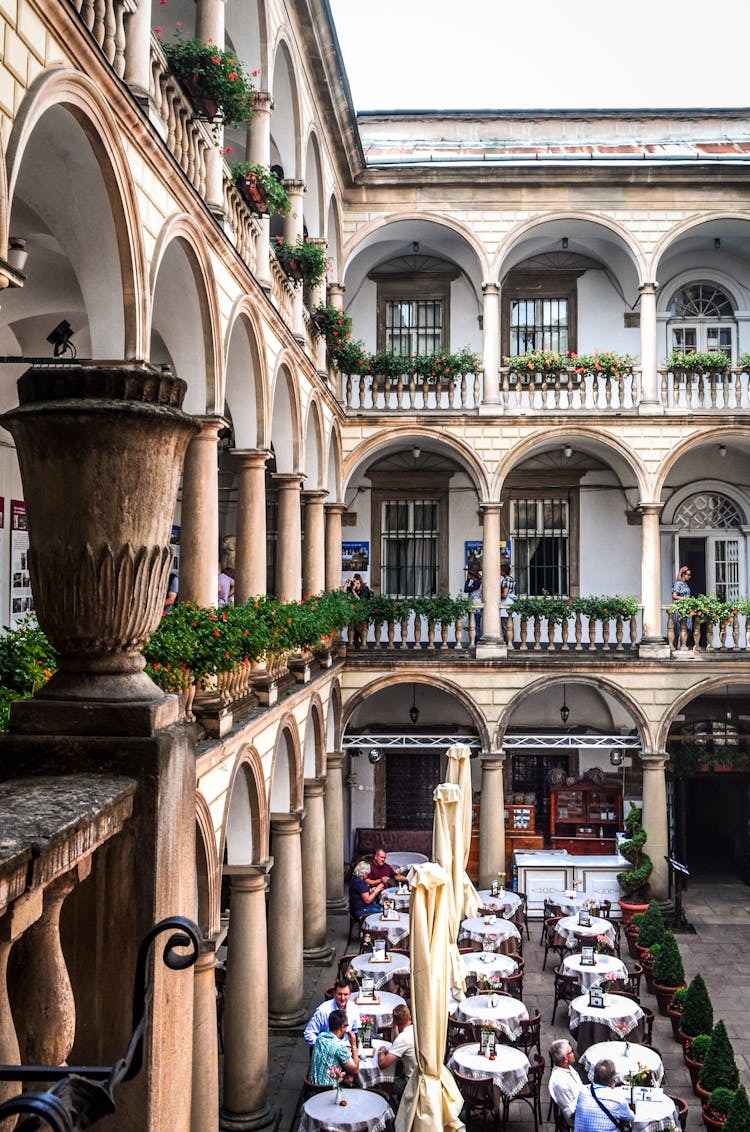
{"x":476,"y":930}
{"x":607,"y":967}
{"x":482,"y":964}
{"x":653,"y":1116}
{"x":504,"y":905}
{"x":569,"y":905}
{"x":568,"y":927}
{"x":509,"y":1069}
{"x":400,"y":899}
{"x":380,"y":972}
{"x":619,"y":1014}
{"x":382,"y":1011}
{"x":363,"y":1112}
{"x":398,"y":930}
{"x":505,"y":1015}
{"x":370,"y":1072}
{"x":626,"y":1057}
{"x":402,"y":862}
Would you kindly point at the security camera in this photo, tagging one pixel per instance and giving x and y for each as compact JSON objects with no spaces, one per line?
{"x":375,"y":755}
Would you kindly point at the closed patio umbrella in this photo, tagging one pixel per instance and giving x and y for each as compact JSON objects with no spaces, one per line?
{"x":447,"y":850}
{"x":431,"y":1100}
{"x":459,"y":771}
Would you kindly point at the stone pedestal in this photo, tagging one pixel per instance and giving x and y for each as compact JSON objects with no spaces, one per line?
{"x":315,"y":923}
{"x":285,"y":988}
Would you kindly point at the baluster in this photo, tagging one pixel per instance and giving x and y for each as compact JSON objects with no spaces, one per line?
{"x":473,"y":628}
{"x":9,"y":1051}
{"x":726,"y":379}
{"x":565,"y":629}
{"x":592,"y":633}
{"x":98,"y":28}
{"x":671,"y":638}
{"x":425,"y":393}
{"x":346,"y":389}
{"x":619,"y":630}
{"x":738,"y":389}
{"x":122,"y":9}
{"x":664,"y":387}
{"x":391,"y":632}
{"x":459,"y":630}
{"x":713,"y":388}
{"x":605,"y":635}
{"x":417,"y":630}
{"x":607,"y":392}
{"x":109,"y":30}
{"x":523,"y":633}
{"x":511,"y":631}
{"x":377,"y":631}
{"x":723,"y":635}
{"x":709,"y":635}
{"x":633,"y":630}
{"x":444,"y":627}
{"x":430,"y":633}
{"x":538,"y":633}
{"x":578,"y":633}
{"x":87,"y":13}
{"x":556,"y":391}
{"x":404,"y":632}
{"x":361,"y":392}
{"x":735,"y":630}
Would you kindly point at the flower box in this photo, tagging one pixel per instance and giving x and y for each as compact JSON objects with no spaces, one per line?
{"x":205,"y":108}
{"x":253,"y":193}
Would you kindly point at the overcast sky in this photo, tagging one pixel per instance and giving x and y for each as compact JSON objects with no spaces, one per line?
{"x":524,"y":54}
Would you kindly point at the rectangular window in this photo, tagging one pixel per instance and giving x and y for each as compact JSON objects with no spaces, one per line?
{"x":413,"y":327}
{"x":538,"y":324}
{"x":409,"y":547}
{"x":727,"y":569}
{"x":541,"y":546}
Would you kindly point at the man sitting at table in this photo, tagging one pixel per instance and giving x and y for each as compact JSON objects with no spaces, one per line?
{"x":564,"y":1082}
{"x":380,"y":870}
{"x":402,"y":1049}
{"x":334,"y":1048}
{"x":342,"y":1001}
{"x":363,"y":897}
{"x":599,"y":1108}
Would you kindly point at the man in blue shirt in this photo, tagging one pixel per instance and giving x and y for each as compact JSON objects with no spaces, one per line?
{"x":341,"y":1000}
{"x":599,"y":1108}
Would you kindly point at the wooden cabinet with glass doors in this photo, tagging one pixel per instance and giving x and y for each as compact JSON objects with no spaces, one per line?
{"x":585,"y":818}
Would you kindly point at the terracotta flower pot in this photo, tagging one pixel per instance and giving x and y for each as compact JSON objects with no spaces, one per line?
{"x":711,"y":1125}
{"x":699,"y":1091}
{"x":205,"y":108}
{"x":693,"y":1068}
{"x":675,"y":1017}
{"x":253,"y":193}
{"x":664,"y":996}
{"x":630,"y":909}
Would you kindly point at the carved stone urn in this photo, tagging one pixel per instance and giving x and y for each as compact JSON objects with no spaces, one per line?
{"x":100,"y":449}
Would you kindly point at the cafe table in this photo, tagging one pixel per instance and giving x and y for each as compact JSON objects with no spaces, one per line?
{"x":627,"y":1057}
{"x":606,"y":967}
{"x":382,"y":1010}
{"x":364,"y":1112}
{"x":398,"y":929}
{"x":568,"y":928}
{"x":504,"y":904}
{"x":370,"y":1072}
{"x":592,"y":1024}
{"x":400,"y":899}
{"x":570,"y":903}
{"x":503,"y":935}
{"x":382,"y":973}
{"x":658,"y":1114}
{"x":504,"y":1014}
{"x":482,"y":964}
{"x":402,"y":862}
{"x":509,"y":1068}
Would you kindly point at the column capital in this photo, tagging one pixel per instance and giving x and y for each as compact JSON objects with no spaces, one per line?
{"x":336,"y":295}
{"x":249,"y":457}
{"x":335,"y":760}
{"x":489,"y":289}
{"x":490,"y":507}
{"x":314,"y":787}
{"x":492,"y":760}
{"x":648,"y":288}
{"x":263,"y":100}
{"x":335,"y":508}
{"x":288,"y":825}
{"x":654,"y":760}
{"x":649,"y":507}
{"x":293,"y":185}
{"x":288,"y":479}
{"x":314,"y":494}
{"x":209,"y":423}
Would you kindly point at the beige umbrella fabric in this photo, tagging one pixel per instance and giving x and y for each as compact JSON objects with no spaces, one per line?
{"x":447,"y":850}
{"x":459,"y":771}
{"x":431,"y":1100}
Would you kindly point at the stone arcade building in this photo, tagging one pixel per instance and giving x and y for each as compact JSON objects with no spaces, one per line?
{"x":499,"y":232}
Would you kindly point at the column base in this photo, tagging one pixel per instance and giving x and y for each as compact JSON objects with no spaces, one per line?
{"x":655,"y":649}
{"x":247,"y":1121}
{"x":489,"y":409}
{"x":286,"y":1021}
{"x":488,"y":648}
{"x":650,"y":409}
{"x":337,"y":904}
{"x":318,"y":956}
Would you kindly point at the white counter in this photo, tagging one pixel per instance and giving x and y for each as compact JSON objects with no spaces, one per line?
{"x":544,"y":871}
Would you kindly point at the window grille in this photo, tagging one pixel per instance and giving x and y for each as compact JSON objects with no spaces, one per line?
{"x":409,"y":547}
{"x":414,"y":327}
{"x":708,"y":510}
{"x":540,"y":544}
{"x":538,"y":324}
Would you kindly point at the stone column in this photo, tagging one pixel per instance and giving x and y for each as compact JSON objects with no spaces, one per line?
{"x":258,"y":150}
{"x":204,"y":1107}
{"x":335,"y":849}
{"x":655,"y":820}
{"x":333,"y":513}
{"x":314,"y":562}
{"x":289,"y":536}
{"x":285,"y":989}
{"x":491,"y":346}
{"x":250,"y":542}
{"x":209,"y":27}
{"x":245,"y":1087}
{"x":317,"y":298}
{"x":650,"y":402}
{"x":199,"y":538}
{"x":652,"y":642}
{"x":336,"y":295}
{"x":293,"y":228}
{"x":491,"y":820}
{"x":315,"y":924}
{"x":137,"y":73}
{"x":491,"y":644}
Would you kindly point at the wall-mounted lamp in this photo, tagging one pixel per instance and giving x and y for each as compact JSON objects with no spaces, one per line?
{"x":568,"y":451}
{"x":60,"y":339}
{"x":416,"y":452}
{"x":564,"y":710}
{"x":17,"y":254}
{"x":615,"y":758}
{"x":564,"y":243}
{"x":374,"y":755}
{"x":722,"y":450}
{"x":415,"y":247}
{"x":414,"y":710}
{"x":717,"y":244}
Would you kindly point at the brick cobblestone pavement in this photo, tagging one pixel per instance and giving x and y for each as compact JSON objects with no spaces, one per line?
{"x":719,"y":948}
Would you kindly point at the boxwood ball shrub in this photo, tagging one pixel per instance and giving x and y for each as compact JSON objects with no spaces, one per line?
{"x":697,"y":1010}
{"x":668,"y":968}
{"x":719,"y":1103}
{"x":719,"y":1068}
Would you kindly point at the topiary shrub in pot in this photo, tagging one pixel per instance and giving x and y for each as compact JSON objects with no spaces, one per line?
{"x":697,"y":1010}
{"x":652,"y":926}
{"x":674,"y":1012}
{"x":719,"y":1068}
{"x":631,"y":935}
{"x":716,"y":1109}
{"x":634,"y":880}
{"x":738,"y":1117}
{"x":669,"y":972}
{"x":694,"y":1055}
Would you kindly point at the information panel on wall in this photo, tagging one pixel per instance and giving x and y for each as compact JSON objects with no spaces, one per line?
{"x":21,"y":599}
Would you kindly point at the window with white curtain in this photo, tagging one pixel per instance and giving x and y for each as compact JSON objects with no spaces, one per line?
{"x":541,"y":536}
{"x":409,"y":544}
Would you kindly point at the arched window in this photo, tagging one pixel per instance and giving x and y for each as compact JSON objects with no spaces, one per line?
{"x":702,"y":319}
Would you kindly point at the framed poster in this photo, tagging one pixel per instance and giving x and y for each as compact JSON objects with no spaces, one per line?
{"x":355,"y":559}
{"x":21,"y":599}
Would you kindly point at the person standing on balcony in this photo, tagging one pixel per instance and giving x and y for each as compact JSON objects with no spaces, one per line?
{"x":357,"y":589}
{"x":681,"y":588}
{"x":507,"y":597}
{"x":473,"y":587}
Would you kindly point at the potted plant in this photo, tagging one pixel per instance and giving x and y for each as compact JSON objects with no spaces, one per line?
{"x":634,"y":880}
{"x":674,"y":1012}
{"x":652,"y":927}
{"x":716,"y":1108}
{"x":214,"y":79}
{"x":719,"y":1067}
{"x":669,"y":972}
{"x":697,"y":1011}
{"x":694,"y":1054}
{"x":632,"y":932}
{"x":684,"y":361}
{"x":304,"y":261}
{"x":648,"y":958}
{"x":260,"y":188}
{"x":738,"y":1117}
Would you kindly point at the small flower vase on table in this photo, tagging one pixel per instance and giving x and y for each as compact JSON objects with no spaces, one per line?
{"x":339,"y":1095}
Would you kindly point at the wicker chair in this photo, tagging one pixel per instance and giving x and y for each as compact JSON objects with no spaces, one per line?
{"x":530,"y":1094}
{"x":682,"y":1110}
{"x":480,"y":1098}
{"x":553,"y":942}
{"x":567,"y":987}
{"x":531,"y":1034}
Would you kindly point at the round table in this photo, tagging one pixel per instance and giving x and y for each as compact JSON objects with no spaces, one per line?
{"x":370,"y":1072}
{"x":569,"y":929}
{"x":509,"y":1069}
{"x":404,"y":861}
{"x":568,"y":905}
{"x":398,"y":930}
{"x":382,"y":973}
{"x":400,"y":899}
{"x":381,"y":1011}
{"x":607,"y":967}
{"x":503,"y":905}
{"x":502,"y":933}
{"x":363,"y":1112}
{"x":505,"y":1015}
{"x":482,"y":964}
{"x":626,"y":1057}
{"x":654,"y":1115}
{"x":597,"y":1024}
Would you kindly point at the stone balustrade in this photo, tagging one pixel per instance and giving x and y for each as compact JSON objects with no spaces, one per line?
{"x":411,"y":392}
{"x":729,"y":636}
{"x":105,"y":19}
{"x":187,"y":138}
{"x":282,"y":291}
{"x":577,"y":633}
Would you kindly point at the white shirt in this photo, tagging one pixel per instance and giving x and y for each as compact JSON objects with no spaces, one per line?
{"x":564,"y":1087}
{"x":319,"y":1021}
